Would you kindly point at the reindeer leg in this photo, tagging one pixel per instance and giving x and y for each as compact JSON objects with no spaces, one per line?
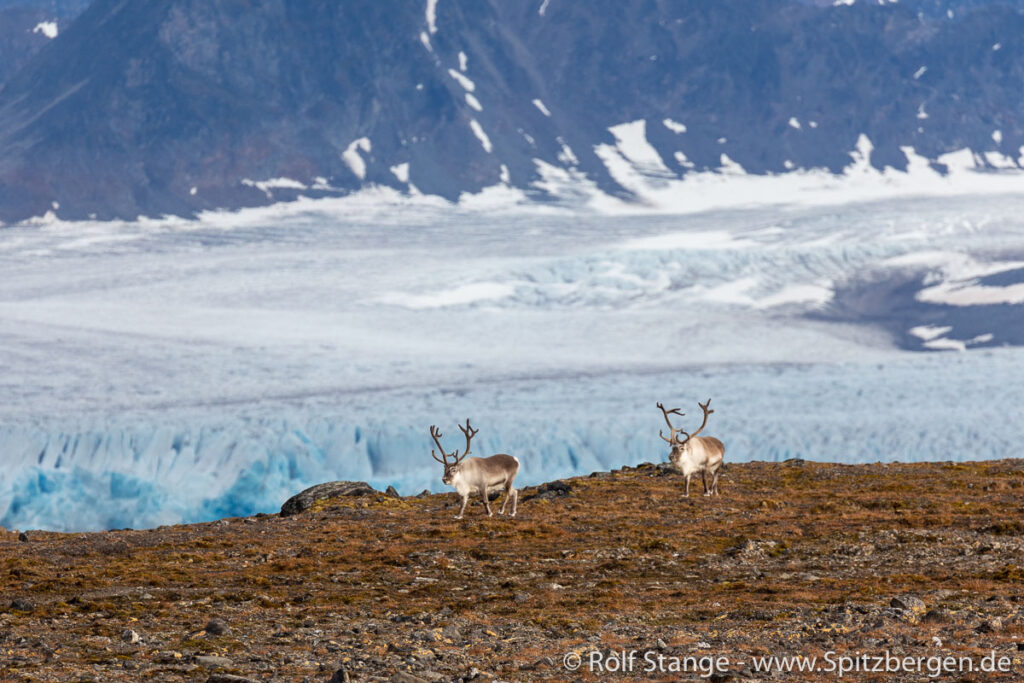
{"x":704,"y":480}
{"x":487,"y":503}
{"x":714,"y":481}
{"x":508,"y":494}
{"x":465,"y":500}
{"x":687,"y":494}
{"x":515,"y":500}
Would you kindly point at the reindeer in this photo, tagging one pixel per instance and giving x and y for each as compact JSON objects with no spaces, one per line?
{"x":482,"y":475}
{"x":695,"y":453}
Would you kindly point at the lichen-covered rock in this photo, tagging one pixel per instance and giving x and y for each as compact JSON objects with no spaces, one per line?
{"x":332,"y":489}
{"x":212,"y":661}
{"x":909,"y":603}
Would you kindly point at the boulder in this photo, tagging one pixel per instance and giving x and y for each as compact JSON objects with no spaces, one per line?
{"x":553,"y":489}
{"x":332,"y":489}
{"x":228,"y":678}
{"x":212,"y":661}
{"x":217,"y":627}
{"x":908,"y":603}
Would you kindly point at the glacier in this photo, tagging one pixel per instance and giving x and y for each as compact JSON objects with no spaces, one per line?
{"x":156,"y":372}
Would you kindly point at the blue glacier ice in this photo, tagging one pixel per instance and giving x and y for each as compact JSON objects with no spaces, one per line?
{"x":124,"y":473}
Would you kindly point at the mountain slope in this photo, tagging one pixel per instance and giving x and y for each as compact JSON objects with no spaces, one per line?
{"x":26,"y":26}
{"x":176,"y":106}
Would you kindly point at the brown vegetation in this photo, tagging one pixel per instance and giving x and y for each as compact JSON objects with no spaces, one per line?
{"x":793,"y":558}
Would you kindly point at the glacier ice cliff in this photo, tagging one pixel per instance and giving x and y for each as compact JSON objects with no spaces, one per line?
{"x":143,"y":472}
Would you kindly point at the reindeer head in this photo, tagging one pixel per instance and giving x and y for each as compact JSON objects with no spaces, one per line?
{"x":681,"y":447}
{"x":451,"y":468}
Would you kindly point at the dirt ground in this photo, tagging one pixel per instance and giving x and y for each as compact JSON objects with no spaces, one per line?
{"x":899,"y":566}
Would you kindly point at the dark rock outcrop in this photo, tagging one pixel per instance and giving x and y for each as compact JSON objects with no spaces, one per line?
{"x":332,"y":489}
{"x":552,"y":489}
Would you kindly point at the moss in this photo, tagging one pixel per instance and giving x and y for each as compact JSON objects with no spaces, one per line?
{"x":1010,"y":572}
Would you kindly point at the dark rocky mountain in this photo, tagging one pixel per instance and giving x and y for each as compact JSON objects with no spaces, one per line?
{"x":170,"y":106}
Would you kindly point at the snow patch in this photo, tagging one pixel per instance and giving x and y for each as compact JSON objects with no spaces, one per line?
{"x":478,"y":131}
{"x":997,"y":160}
{"x":566,"y":155}
{"x":920,"y":72}
{"x":463,"y":61}
{"x":473,"y":102}
{"x":929,"y":332}
{"x":728,"y":166}
{"x":540,"y":105}
{"x":462,"y":80}
{"x":632,"y":156}
{"x":631,"y":139}
{"x":968,"y":294}
{"x":47,"y":28}
{"x":959,"y":161}
{"x":954,"y":276}
{"x":794,"y":122}
{"x":353,"y":159}
{"x":683,"y":161}
{"x":267,"y":186}
{"x":543,"y":7}
{"x":432,"y":16}
{"x":401,"y":171}
{"x":944,"y":344}
{"x":674,"y":126}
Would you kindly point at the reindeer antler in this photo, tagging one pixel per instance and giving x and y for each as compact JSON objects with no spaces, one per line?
{"x":673,"y":430}
{"x":436,"y":433}
{"x":470,"y":433}
{"x":707,"y":411}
